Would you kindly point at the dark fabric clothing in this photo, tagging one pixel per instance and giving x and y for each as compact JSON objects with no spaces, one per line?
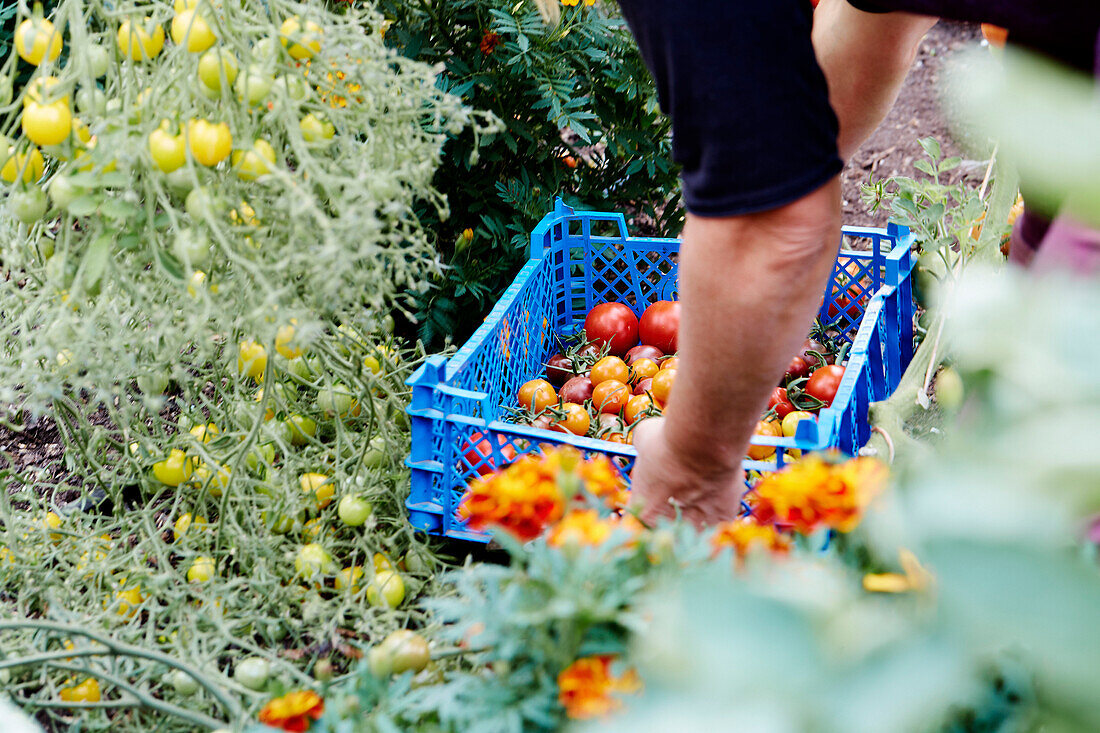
{"x":752,"y":126}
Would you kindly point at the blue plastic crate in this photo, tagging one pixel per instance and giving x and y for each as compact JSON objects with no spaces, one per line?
{"x":581,"y":259}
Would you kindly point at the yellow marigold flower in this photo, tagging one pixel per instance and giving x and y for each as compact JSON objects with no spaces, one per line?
{"x":587,"y":689}
{"x":916,"y":578}
{"x":816,"y":492}
{"x":745,"y":534}
{"x":294,"y":711}
{"x":585,"y":527}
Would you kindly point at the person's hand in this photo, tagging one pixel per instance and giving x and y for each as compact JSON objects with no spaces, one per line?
{"x":664,"y":482}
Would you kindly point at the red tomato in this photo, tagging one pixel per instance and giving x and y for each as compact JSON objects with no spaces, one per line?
{"x":797,"y":369}
{"x":643,"y":386}
{"x":575,"y":420}
{"x":660,"y":325}
{"x":478,"y":448}
{"x":577,"y":389}
{"x":559,"y":369}
{"x":644,"y":351}
{"x":780,"y":403}
{"x":850,"y":304}
{"x":824,"y":383}
{"x":613,"y":324}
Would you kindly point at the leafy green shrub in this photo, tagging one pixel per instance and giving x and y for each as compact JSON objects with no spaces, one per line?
{"x":581,"y":73}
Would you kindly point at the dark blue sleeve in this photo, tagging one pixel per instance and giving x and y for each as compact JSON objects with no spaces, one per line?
{"x":751,"y":122}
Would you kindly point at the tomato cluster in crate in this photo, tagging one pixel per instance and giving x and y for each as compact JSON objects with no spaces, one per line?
{"x":465,"y":412}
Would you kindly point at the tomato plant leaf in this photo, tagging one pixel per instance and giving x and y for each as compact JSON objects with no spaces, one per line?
{"x":95,"y":260}
{"x":170,"y":264}
{"x":84,"y":206}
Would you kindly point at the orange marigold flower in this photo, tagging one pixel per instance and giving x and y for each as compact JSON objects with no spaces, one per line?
{"x":817,"y":492}
{"x":577,"y":2}
{"x":294,"y":711}
{"x":587,"y":689}
{"x":585,"y":527}
{"x":744,"y":534}
{"x":489,"y":42}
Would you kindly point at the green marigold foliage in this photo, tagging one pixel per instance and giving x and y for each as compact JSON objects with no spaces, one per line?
{"x":581,"y":121}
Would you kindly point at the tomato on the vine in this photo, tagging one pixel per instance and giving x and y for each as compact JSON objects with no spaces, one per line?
{"x":175,"y":469}
{"x":192,"y":31}
{"x":824,"y":383}
{"x":353,"y":510}
{"x":768,"y":428}
{"x":47,"y":124}
{"x":36,"y":40}
{"x":575,"y":420}
{"x":214,"y":64}
{"x":86,"y":691}
{"x":29,"y":205}
{"x":536,"y":395}
{"x":135,"y":40}
{"x":559,"y":369}
{"x":386,"y":588}
{"x":577,"y":389}
{"x":661,"y":386}
{"x":643,"y":369}
{"x":610,"y":396}
{"x":780,"y":403}
{"x":168,"y":151}
{"x":209,"y":142}
{"x":255,"y":162}
{"x":613,"y":324}
{"x":638,"y":407}
{"x":609,"y":368}
{"x":660,"y":325}
{"x":316,"y":130}
{"x":252,"y":673}
{"x":301,"y":40}
{"x":672,"y":362}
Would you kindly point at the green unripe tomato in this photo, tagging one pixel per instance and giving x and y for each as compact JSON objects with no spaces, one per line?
{"x":301,"y":429}
{"x":45,"y":247}
{"x":63,"y":191}
{"x":260,"y":456}
{"x":183,"y":683}
{"x":402,"y":651}
{"x":29,"y":205}
{"x":213,"y":64}
{"x":97,"y":58}
{"x":949,"y":389}
{"x":91,"y":101}
{"x":376,"y":452}
{"x":254,"y":85}
{"x":386,"y":588}
{"x":353,"y":510}
{"x":252,"y":673}
{"x":323,"y":670}
{"x":154,"y":383}
{"x":192,"y":248}
{"x":200,"y":203}
{"x":299,"y":367}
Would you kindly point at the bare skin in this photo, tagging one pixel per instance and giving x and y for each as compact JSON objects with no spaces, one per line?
{"x":750,"y":285}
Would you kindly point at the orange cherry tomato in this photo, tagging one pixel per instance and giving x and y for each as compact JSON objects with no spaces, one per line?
{"x":610,"y":368}
{"x":770,"y":428}
{"x":638,"y":407}
{"x":661,"y":387}
{"x":537,"y":394}
{"x":575,"y":420}
{"x":671,"y":362}
{"x":643,"y":369}
{"x":610,"y":396}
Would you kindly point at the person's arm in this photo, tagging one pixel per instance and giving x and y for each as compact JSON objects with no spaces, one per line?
{"x":749,"y":285}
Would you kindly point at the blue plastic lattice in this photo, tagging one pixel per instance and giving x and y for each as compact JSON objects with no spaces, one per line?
{"x":581,"y":259}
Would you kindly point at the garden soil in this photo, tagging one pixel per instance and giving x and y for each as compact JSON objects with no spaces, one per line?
{"x":36,"y":453}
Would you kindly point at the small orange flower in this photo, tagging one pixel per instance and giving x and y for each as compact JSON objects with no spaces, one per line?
{"x":744,"y":534}
{"x":584,"y":527}
{"x":293,"y":712}
{"x":587,"y":689}
{"x":815,"y":492}
{"x":571,"y":3}
{"x":489,"y":42}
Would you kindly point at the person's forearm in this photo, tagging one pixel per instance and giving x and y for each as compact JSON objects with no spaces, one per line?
{"x":865,"y":58}
{"x":750,"y":288}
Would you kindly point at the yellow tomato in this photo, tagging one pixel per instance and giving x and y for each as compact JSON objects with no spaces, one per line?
{"x":168,"y":151}
{"x":314,"y":129}
{"x":202,"y":570}
{"x":301,"y":42}
{"x":81,"y":131}
{"x":43,"y":90}
{"x":253,"y":163}
{"x":386,"y":588}
{"x":175,"y":469}
{"x":180,"y":5}
{"x":136,"y":41}
{"x":53,"y":521}
{"x":128,"y":601}
{"x":381,"y":562}
{"x":244,"y":215}
{"x":301,"y":428}
{"x":313,"y":560}
{"x":36,"y":40}
{"x":192,"y":31}
{"x":214,"y":476}
{"x":284,"y":341}
{"x":184,"y":523}
{"x":791,"y":420}
{"x":204,"y":433}
{"x":319,"y":485}
{"x":349,"y":577}
{"x":196,"y":283}
{"x":209,"y":142}
{"x":213,"y":64}
{"x":251,"y":359}
{"x":86,"y":691}
{"x":47,"y":124}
